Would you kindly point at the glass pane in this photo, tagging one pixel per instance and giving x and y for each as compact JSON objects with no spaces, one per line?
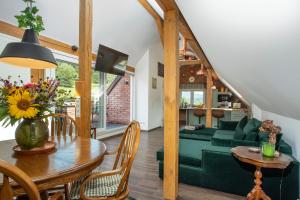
{"x":98,"y":98}
{"x":198,"y":98}
{"x":185,"y":97}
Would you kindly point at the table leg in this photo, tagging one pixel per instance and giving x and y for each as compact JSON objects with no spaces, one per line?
{"x":257,"y":192}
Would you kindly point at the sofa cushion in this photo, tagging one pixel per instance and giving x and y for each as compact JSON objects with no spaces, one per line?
{"x":252,"y":125}
{"x":222,"y":138}
{"x":239,"y":133}
{"x":252,"y":136}
{"x":203,"y":131}
{"x":190,"y":152}
{"x":228,"y":125}
{"x":193,"y":136}
{"x":242,"y":123}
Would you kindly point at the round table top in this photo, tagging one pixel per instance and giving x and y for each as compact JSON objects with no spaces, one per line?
{"x":243,"y":154}
{"x":73,"y":157}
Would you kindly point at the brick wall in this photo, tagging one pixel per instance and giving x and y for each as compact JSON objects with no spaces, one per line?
{"x":118,"y":102}
{"x":191,"y":70}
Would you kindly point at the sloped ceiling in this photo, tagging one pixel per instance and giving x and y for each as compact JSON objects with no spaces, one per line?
{"x":121,"y":24}
{"x":254,"y":45}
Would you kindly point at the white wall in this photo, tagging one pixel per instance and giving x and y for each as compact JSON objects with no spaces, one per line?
{"x":155,"y":111}
{"x":290,"y":129}
{"x":149,"y":101}
{"x":256,"y":112}
{"x":142,"y":84}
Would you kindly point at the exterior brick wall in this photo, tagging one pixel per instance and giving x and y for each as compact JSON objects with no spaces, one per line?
{"x":118,"y":102}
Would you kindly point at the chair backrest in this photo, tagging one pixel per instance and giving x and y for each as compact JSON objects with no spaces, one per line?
{"x":126,"y":153}
{"x":62,"y":124}
{"x":12,"y":172}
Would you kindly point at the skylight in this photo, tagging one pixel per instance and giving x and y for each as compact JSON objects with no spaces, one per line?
{"x":156,"y":7}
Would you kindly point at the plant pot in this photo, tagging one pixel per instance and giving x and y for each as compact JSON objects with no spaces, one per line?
{"x":31,"y":133}
{"x":268,"y":149}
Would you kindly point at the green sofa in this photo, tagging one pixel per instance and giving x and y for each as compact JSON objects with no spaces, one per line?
{"x":210,"y":164}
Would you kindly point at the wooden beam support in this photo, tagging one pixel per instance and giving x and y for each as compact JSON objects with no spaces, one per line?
{"x":37,"y":74}
{"x":171,"y":104}
{"x":208,"y":103}
{"x":189,"y":62}
{"x":14,"y":31}
{"x":83,"y":85}
{"x":185,"y":30}
{"x":167,"y":5}
{"x":157,"y":18}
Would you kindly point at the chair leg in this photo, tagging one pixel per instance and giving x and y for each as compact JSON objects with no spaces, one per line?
{"x":67,"y":192}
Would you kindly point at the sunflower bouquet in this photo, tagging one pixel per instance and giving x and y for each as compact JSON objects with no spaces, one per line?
{"x":19,"y":100}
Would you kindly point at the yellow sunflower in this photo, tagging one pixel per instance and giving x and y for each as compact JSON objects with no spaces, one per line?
{"x":20,"y":105}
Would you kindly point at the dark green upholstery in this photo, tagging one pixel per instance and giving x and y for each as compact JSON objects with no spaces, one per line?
{"x":186,"y":156}
{"x":219,"y":170}
{"x":251,"y":136}
{"x":239,"y":133}
{"x":252,"y":126}
{"x":222,"y":138}
{"x":228,"y":125}
{"x":204,"y":134}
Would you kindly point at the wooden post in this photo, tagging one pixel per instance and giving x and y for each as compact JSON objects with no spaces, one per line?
{"x":209,"y":84}
{"x":171,"y":104}
{"x":85,"y":67}
{"x":37,"y":74}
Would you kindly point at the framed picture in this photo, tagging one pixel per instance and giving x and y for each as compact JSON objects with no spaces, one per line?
{"x":154,"y":83}
{"x":160,"y":69}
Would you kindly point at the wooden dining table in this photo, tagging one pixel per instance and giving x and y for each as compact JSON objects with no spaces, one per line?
{"x":73,"y":158}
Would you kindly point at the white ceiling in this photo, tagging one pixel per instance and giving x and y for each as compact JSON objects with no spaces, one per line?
{"x":254,"y":45}
{"x":123,"y":25}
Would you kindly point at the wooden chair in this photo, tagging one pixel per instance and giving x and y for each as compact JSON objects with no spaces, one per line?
{"x":12,"y":172}
{"x":61,"y":124}
{"x":112,"y":185}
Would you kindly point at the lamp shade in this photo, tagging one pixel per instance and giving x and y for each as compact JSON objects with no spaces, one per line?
{"x":28,"y":53}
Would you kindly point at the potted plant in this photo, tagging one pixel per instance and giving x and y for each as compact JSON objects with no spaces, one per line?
{"x":29,"y":19}
{"x":268,"y":148}
{"x":28,"y":104}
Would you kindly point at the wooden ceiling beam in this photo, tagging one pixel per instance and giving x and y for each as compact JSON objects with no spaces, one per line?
{"x":167,"y":5}
{"x":157,"y":18}
{"x":189,"y":62}
{"x":14,"y":31}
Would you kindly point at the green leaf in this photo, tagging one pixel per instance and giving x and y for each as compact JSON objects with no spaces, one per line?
{"x":13,"y":121}
{"x":6,"y":122}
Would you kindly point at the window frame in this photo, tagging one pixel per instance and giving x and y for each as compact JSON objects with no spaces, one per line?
{"x":192,"y":94}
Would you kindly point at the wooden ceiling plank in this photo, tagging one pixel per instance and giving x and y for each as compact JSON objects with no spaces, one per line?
{"x":155,"y":15}
{"x":190,"y":62}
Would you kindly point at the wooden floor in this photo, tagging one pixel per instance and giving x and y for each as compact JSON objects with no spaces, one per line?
{"x":144,"y":181}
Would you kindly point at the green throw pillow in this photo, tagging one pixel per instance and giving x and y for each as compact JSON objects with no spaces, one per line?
{"x":251,"y":136}
{"x":239,"y":134}
{"x":242,"y":123}
{"x":252,"y":126}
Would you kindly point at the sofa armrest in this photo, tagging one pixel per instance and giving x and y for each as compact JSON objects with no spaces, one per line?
{"x":235,"y":143}
{"x":228,"y":125}
{"x":283,"y":147}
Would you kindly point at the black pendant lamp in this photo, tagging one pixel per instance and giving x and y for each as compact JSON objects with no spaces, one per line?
{"x":28,"y":53}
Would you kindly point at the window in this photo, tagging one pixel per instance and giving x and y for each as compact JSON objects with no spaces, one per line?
{"x":192,"y":97}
